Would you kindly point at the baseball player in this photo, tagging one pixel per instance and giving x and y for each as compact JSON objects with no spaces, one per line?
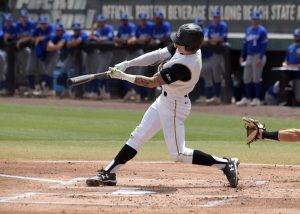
{"x":206,"y":78}
{"x":143,"y":35}
{"x":125,"y":37}
{"x":177,"y":77}
{"x":3,"y":67}
{"x":100,"y":60}
{"x":217,"y":35}
{"x":39,"y":36}
{"x":74,"y":41}
{"x":25,"y":29}
{"x":253,"y":58}
{"x":292,"y":59}
{"x":161,"y":30}
{"x":9,"y":29}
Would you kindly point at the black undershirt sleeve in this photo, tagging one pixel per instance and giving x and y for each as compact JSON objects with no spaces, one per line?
{"x":176,"y":72}
{"x":171,"y":49}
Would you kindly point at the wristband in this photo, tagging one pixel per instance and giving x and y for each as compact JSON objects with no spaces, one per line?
{"x":129,"y":77}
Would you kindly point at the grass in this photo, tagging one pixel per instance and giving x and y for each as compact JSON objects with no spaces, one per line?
{"x":65,"y":133}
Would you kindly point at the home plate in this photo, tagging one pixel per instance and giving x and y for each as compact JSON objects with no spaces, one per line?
{"x":132,"y":192}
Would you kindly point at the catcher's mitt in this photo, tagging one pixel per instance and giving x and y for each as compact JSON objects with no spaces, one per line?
{"x":252,"y":127}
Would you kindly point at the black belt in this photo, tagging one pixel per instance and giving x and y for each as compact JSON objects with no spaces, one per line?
{"x":166,"y":94}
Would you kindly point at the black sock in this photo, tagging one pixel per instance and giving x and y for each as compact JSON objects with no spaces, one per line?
{"x":270,"y":135}
{"x":126,"y":154}
{"x":201,"y":158}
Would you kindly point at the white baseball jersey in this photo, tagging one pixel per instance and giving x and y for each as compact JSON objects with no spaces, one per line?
{"x":194,"y":64}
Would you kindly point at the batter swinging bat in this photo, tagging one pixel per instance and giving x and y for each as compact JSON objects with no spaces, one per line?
{"x":86,"y":78}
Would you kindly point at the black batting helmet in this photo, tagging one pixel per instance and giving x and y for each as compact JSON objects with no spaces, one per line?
{"x":188,"y":35}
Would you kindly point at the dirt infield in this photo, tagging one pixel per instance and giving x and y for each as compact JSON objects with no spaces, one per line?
{"x":145,"y":187}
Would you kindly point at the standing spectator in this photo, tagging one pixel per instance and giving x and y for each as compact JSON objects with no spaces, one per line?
{"x":9,"y":29}
{"x":143,"y":35}
{"x":56,"y":45}
{"x":100,"y":60}
{"x":161,"y":30}
{"x":217,"y":35}
{"x":24,"y":54}
{"x":206,"y":78}
{"x":253,"y":58}
{"x":9,"y":35}
{"x":125,"y":38}
{"x":40,"y":34}
{"x":3,"y":68}
{"x":292,"y":59}
{"x":74,"y":40}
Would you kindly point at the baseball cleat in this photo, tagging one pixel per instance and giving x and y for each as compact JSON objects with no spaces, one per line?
{"x":102,"y":178}
{"x":231,"y":171}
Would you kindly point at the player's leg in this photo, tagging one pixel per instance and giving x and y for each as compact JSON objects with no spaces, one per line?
{"x":257,"y":80}
{"x":148,"y":127}
{"x":172,"y":118}
{"x":247,"y":78}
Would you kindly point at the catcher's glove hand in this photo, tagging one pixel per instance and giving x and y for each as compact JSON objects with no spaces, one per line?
{"x":252,"y":127}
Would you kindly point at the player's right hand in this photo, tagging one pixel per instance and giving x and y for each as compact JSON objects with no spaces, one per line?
{"x":122,"y":66}
{"x":116,"y":73}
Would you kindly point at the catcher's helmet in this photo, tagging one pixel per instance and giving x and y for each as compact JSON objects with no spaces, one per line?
{"x":188,"y":35}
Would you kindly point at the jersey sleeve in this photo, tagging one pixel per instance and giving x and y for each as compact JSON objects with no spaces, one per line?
{"x":176,"y":72}
{"x":171,"y":49}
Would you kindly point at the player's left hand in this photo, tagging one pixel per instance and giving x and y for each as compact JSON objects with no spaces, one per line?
{"x":116,"y":73}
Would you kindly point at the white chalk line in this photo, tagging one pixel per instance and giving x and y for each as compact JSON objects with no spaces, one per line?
{"x":67,"y":183}
{"x":9,"y":199}
{"x":30,"y":178}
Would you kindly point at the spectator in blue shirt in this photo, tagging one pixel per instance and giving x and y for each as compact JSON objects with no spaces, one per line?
{"x":253,"y":59}
{"x":205,"y":82}
{"x":25,"y":28}
{"x":25,"y":55}
{"x":99,"y":60}
{"x":9,"y":29}
{"x":292,"y":59}
{"x":161,"y":30}
{"x":3,"y":66}
{"x":143,"y":33}
{"x":217,"y":35}
{"x":74,"y":40}
{"x":126,"y":30}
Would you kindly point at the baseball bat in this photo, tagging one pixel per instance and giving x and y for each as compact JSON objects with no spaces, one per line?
{"x":85,"y":78}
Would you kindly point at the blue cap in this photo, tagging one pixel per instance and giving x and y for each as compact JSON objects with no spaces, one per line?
{"x":76,"y":26}
{"x":255,"y":15}
{"x":297,"y":32}
{"x":59,"y":26}
{"x":142,"y":15}
{"x":101,"y":18}
{"x":24,"y":13}
{"x":124,"y":16}
{"x":158,"y":14}
{"x":216,"y":13}
{"x":43,"y":20}
{"x":8,"y":17}
{"x":198,"y":21}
